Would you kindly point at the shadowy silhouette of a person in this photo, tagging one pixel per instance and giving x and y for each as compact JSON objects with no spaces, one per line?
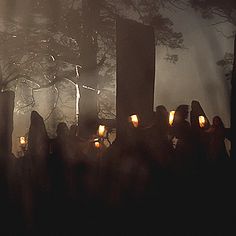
{"x":216,"y":148}
{"x":181,"y":130}
{"x":198,"y":134}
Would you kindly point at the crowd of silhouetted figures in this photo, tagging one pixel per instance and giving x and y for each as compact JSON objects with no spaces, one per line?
{"x":173,"y":179}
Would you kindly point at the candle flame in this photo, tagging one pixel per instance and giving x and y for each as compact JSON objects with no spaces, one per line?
{"x":171,"y":117}
{"x":101,"y":130}
{"x":202,"y":121}
{"x":22,"y":140}
{"x":97,"y":144}
{"x":134,"y":120}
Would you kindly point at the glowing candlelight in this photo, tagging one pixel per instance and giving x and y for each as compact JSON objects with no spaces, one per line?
{"x":134,"y":120}
{"x":22,"y":141}
{"x":97,"y":143}
{"x":202,"y":121}
{"x":171,"y":117}
{"x":101,"y":130}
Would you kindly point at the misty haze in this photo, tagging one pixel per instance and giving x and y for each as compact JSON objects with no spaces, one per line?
{"x":121,"y":109}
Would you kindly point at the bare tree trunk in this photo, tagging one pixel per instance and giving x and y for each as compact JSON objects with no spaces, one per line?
{"x":89,"y":74}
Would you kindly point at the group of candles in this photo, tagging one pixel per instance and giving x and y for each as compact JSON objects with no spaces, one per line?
{"x":201,"y":119}
{"x":101,"y":134}
{"x":135,"y":122}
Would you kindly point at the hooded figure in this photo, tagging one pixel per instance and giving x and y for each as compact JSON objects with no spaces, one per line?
{"x":216,"y":148}
{"x":38,"y":145}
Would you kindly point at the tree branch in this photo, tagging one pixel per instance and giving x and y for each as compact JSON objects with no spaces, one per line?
{"x":176,"y":6}
{"x":54,"y":105}
{"x":223,"y":34}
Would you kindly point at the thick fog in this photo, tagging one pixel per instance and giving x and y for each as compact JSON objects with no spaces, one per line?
{"x":195,"y":76}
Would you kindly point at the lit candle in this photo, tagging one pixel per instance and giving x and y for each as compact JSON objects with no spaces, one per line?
{"x":101,"y":130}
{"x":134,"y":120}
{"x":22,"y":141}
{"x":171,"y":117}
{"x":97,"y":144}
{"x":202,"y":121}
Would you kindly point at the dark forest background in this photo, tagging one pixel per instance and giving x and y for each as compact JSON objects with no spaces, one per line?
{"x":42,"y":43}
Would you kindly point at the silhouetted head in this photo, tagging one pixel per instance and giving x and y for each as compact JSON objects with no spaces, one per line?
{"x":162,"y":115}
{"x":195,"y":105}
{"x":38,"y":139}
{"x":37,"y":125}
{"x":161,"y":111}
{"x":62,"y":130}
{"x":36,"y":118}
{"x":181,"y":113}
{"x":217,"y":122}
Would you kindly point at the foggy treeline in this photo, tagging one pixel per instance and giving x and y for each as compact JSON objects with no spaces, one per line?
{"x":91,"y":155}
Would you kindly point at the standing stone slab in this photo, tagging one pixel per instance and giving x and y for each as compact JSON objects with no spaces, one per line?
{"x":233,"y":103}
{"x":135,"y":44}
{"x":6,"y":122}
